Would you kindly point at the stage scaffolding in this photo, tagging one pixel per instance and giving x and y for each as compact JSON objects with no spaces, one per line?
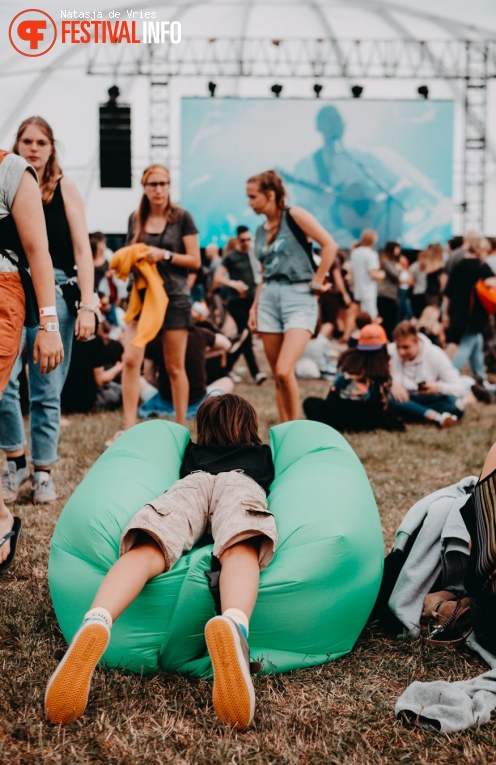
{"x":471,"y":63}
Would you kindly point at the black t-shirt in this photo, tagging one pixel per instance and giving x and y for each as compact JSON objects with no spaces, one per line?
{"x":80,"y":388}
{"x":112,"y":352}
{"x":171,"y":238}
{"x":465,"y":309}
{"x":255,"y":461}
{"x":239,"y":268}
{"x":59,"y":232}
{"x":198,"y":342}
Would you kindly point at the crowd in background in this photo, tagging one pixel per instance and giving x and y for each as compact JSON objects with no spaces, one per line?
{"x":431,"y":291}
{"x":168,"y":322}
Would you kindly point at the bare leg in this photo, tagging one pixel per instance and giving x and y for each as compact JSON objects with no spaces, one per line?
{"x":128,"y":576}
{"x":68,"y":688}
{"x":233,"y":694}
{"x":349,"y":315}
{"x":294,"y":343}
{"x":133,"y":359}
{"x":174,"y":344}
{"x":272,"y":346}
{"x":239,"y":576}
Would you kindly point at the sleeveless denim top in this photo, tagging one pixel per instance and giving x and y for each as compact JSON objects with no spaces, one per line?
{"x":284,"y":257}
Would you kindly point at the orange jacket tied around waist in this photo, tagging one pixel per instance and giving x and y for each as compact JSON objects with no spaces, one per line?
{"x":152,"y":308}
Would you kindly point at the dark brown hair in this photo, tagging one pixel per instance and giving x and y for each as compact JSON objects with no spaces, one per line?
{"x":52,"y":171}
{"x":404,"y":329}
{"x":371,"y":364}
{"x":269,"y":180}
{"x":140,"y":217}
{"x":227,"y":420}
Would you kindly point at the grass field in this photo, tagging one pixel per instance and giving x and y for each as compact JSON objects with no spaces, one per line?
{"x":339,"y":713}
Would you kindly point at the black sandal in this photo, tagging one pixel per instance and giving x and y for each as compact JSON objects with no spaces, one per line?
{"x":14,"y":538}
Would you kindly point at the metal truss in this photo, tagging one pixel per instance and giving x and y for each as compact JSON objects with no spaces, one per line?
{"x":475,"y":148}
{"x":471,"y":62}
{"x":324,"y":57}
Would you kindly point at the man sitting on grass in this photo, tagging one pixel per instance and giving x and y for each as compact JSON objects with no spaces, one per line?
{"x":426,"y":386}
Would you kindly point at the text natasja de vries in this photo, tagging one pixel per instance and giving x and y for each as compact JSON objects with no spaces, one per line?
{"x":83,"y":27}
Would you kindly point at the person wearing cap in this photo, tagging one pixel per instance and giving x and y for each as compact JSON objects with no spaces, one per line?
{"x":359,"y":397}
{"x":426,"y":385}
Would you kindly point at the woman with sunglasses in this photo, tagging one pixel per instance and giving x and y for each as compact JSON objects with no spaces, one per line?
{"x":172,"y":238}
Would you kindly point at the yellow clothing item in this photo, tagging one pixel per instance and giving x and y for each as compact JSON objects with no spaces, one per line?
{"x":152,"y":308}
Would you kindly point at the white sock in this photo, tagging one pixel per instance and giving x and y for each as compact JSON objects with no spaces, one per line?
{"x":239,"y":617}
{"x":99,"y":613}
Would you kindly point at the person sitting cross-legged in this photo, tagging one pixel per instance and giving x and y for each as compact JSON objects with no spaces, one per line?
{"x":426,"y":386}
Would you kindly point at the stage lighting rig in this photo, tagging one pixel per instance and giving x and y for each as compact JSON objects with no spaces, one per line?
{"x":276,"y":90}
{"x":356,"y":91}
{"x":423,"y":91}
{"x":317,"y":89}
{"x":211,"y":88}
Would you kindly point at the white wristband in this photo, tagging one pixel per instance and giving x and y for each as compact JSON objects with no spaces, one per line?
{"x":48,"y":310}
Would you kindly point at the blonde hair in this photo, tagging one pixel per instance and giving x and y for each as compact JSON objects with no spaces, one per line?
{"x":52,"y":171}
{"x":368,"y":237}
{"x":435,"y":256}
{"x":140,"y":217}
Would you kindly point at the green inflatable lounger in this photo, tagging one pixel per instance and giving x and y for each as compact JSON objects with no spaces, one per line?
{"x":315,"y":597}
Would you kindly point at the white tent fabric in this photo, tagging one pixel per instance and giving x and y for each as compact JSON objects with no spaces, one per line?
{"x":57,"y":86}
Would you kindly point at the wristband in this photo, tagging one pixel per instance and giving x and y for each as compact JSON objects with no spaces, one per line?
{"x":48,"y":310}
{"x":50,"y":326}
{"x":316,"y":287}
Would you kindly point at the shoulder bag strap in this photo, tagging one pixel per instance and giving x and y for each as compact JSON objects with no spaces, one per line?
{"x":300,"y":237}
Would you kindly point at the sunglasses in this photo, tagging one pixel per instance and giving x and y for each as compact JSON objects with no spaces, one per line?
{"x":157,"y":184}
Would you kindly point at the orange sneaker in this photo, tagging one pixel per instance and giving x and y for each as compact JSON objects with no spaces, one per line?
{"x":233,"y":694}
{"x":68,"y":688}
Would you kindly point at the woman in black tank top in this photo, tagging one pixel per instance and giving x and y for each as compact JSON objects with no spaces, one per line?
{"x":69,"y":247}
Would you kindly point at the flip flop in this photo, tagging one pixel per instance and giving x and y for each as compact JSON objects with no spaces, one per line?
{"x":14,"y":538}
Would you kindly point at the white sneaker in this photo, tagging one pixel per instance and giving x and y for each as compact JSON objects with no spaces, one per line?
{"x":43,"y":487}
{"x":446,"y":420}
{"x":260,"y":378}
{"x":234,"y":377}
{"x":12,"y":480}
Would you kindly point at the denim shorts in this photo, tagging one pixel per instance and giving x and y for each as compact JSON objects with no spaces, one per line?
{"x":285,"y":305}
{"x":232,"y":506}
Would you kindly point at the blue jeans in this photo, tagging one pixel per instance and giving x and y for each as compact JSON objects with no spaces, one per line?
{"x":44,"y":394}
{"x":157,"y":406}
{"x":414,"y":410}
{"x":471,"y":350}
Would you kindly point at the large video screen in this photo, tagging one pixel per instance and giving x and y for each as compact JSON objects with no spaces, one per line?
{"x":355,"y":164}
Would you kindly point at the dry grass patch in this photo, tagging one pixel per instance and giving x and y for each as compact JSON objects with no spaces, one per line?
{"x":342,"y":712}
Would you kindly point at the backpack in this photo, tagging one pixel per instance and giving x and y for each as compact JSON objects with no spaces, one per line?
{"x":406,"y":583}
{"x":487,"y":296}
{"x":32,"y":313}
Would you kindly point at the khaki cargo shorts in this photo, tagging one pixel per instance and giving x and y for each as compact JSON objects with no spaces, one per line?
{"x":231,"y":506}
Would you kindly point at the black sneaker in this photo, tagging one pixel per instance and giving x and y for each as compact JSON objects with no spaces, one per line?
{"x":482,"y":394}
